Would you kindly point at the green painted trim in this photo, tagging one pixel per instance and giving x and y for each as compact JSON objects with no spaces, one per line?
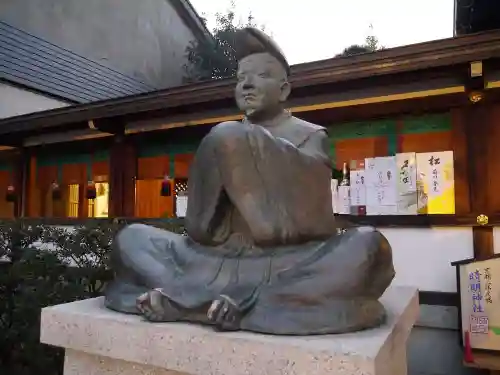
{"x":392,"y":143}
{"x":102,"y":155}
{"x":388,"y":129}
{"x":62,"y":159}
{"x":368,"y":129}
{"x":426,"y":124}
{"x":152,"y":150}
{"x":45,"y":161}
{"x":5,"y":167}
{"x":333,"y":153}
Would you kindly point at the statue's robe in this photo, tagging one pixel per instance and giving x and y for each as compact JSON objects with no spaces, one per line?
{"x":270,"y":184}
{"x":260,"y":230}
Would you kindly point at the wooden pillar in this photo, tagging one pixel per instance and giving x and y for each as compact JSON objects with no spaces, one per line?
{"x":32,"y":192}
{"x":460,"y":162}
{"x":122,"y":170}
{"x":478,"y":129}
{"x":129,"y":178}
{"x":20,"y":172}
{"x":83,"y":203}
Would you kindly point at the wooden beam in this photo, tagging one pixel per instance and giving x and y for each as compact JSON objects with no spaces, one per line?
{"x":415,"y":58}
{"x":190,"y":120}
{"x":423,"y":221}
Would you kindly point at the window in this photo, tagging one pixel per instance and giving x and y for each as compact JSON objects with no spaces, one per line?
{"x":73,"y":200}
{"x":99,"y":207}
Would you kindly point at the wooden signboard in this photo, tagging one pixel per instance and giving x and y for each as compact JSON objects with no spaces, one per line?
{"x":480,"y":303}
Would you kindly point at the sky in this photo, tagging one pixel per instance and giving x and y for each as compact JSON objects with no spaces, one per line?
{"x":319,"y":29}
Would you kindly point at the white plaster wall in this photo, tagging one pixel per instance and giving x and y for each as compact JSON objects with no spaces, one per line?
{"x":15,"y":101}
{"x":496,"y":240}
{"x":422,"y":256}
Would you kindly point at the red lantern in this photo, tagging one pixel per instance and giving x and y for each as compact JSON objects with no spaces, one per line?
{"x":56,"y":191}
{"x":10,"y":195}
{"x":91,"y":190}
{"x":166,"y":189}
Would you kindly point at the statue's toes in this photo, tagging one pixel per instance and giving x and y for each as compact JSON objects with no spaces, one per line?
{"x":228,"y":318}
{"x":214,"y":310}
{"x":153,"y":316}
{"x":141,"y":300}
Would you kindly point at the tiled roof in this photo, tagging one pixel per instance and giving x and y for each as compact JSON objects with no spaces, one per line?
{"x":35,"y":63}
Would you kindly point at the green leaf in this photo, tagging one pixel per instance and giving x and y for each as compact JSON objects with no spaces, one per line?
{"x":39,"y":276}
{"x":216,"y":60}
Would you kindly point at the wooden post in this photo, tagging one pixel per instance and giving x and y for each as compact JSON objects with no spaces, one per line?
{"x":460,"y":162}
{"x":129,"y":178}
{"x":83,"y":203}
{"x":20,"y":171}
{"x":32,"y":194}
{"x":122,"y":170}
{"x":478,"y":129}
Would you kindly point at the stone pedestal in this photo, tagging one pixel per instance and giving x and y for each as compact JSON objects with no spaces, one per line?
{"x":99,"y":341}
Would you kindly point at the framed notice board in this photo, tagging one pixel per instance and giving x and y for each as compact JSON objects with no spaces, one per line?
{"x":479,"y":289}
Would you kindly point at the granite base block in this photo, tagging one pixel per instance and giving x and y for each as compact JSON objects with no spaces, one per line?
{"x":99,"y":342}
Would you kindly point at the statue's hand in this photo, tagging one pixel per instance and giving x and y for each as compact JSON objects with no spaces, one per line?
{"x":225,"y":314}
{"x":151,"y":306}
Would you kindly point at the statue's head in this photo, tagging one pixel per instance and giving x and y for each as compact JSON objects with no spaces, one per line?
{"x":262,"y":75}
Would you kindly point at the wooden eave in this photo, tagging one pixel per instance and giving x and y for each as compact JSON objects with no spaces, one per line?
{"x":337,"y":72}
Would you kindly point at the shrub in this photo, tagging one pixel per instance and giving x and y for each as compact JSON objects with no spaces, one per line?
{"x":43,"y":265}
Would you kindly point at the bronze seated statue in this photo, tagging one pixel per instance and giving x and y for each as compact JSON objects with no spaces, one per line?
{"x":263,"y":251}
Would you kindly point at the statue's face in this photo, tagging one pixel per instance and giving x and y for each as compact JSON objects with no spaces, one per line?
{"x":262,"y":84}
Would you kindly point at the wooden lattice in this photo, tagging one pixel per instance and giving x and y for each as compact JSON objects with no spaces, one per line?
{"x":181,"y":186}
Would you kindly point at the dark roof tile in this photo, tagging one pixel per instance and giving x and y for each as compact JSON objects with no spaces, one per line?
{"x":33,"y":62}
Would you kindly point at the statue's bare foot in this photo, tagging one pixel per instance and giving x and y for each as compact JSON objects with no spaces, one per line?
{"x":155,"y":307}
{"x":225,"y":314}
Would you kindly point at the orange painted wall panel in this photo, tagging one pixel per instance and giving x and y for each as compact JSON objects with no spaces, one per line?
{"x":358,"y":149}
{"x":153,"y":167}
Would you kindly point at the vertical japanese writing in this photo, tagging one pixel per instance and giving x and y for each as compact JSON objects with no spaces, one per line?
{"x":358,"y":192}
{"x":475,"y":288}
{"x":487,"y":287}
{"x":404,"y":172}
{"x":435,"y":176}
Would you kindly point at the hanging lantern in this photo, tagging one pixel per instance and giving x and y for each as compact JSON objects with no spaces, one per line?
{"x":56,"y":191}
{"x":10,"y":195}
{"x":166,"y":188}
{"x":91,"y":190}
